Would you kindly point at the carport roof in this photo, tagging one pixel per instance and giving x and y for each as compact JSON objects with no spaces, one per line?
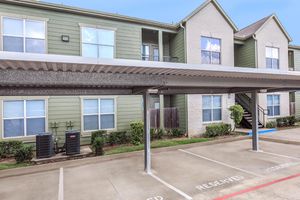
{"x":14,"y":68}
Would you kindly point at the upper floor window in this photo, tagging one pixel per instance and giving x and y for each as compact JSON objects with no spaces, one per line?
{"x":211,"y":108}
{"x":24,"y":35}
{"x":150,"y":52}
{"x":23,"y":118}
{"x":210,"y":50}
{"x":98,"y":43}
{"x":272,"y":58}
{"x":273,"y":102}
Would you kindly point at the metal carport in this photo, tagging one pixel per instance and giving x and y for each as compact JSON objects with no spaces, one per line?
{"x":39,"y":74}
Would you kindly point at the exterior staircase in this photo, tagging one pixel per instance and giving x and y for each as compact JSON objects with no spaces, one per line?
{"x":245,"y":101}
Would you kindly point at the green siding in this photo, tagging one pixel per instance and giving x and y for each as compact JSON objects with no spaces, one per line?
{"x":179,"y":101}
{"x":129,"y":109}
{"x":177,"y":46}
{"x":297,"y":59}
{"x":297,"y":101}
{"x":245,"y":54}
{"x":128,"y":36}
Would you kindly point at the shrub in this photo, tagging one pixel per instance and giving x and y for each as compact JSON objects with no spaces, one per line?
{"x":96,"y":134}
{"x":236,"y":114}
{"x":176,"y":132}
{"x":24,"y":154}
{"x":286,"y":121}
{"x":137,"y":133}
{"x":156,"y":133}
{"x":271,"y":124}
{"x":214,"y":130}
{"x":118,"y":137}
{"x":98,"y":145}
{"x":8,"y":148}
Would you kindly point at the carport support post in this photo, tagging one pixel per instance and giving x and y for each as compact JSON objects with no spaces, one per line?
{"x":147,"y":148}
{"x":255,"y":138}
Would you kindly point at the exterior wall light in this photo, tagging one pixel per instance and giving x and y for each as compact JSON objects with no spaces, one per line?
{"x":65,"y":38}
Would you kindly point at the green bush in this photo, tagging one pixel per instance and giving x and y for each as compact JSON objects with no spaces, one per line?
{"x":286,"y":121}
{"x":8,"y":148}
{"x":214,"y":130}
{"x":236,"y":114}
{"x":96,"y":134}
{"x":176,"y":132}
{"x":156,"y":133}
{"x":24,"y":154}
{"x":271,"y":124}
{"x":136,"y":133}
{"x":118,"y":137}
{"x":98,"y":145}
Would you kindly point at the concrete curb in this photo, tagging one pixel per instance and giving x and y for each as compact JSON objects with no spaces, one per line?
{"x":93,"y":160}
{"x":280,"y":141}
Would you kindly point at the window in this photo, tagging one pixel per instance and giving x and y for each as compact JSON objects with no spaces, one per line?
{"x":23,"y":118}
{"x":210,"y":50}
{"x":23,"y":35}
{"x":273,"y":105}
{"x":146,"y":52}
{"x":211,"y":108}
{"x":272,"y":58}
{"x":98,"y":114}
{"x":98,"y":43}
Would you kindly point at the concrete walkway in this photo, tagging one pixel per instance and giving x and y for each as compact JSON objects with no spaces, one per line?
{"x":288,"y":136}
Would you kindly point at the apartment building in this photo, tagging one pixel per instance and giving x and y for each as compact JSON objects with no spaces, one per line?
{"x":207,"y":36}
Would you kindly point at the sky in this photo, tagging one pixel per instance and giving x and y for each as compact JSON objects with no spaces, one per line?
{"x":242,"y":12}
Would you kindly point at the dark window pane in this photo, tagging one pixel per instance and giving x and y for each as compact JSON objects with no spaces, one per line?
{"x":91,"y":122}
{"x":270,"y":111}
{"x":107,"y":121}
{"x":275,"y":63}
{"x":276,"y":110}
{"x":205,"y":57}
{"x":13,"y":128}
{"x":269,"y":63}
{"x":14,"y":44}
{"x":207,"y":116}
{"x":216,"y":58}
{"x":35,"y":126}
{"x":217,"y":114}
{"x":35,"y":46}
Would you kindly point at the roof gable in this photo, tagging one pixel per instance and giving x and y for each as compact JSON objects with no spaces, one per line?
{"x":219,"y":8}
{"x":254,"y":28}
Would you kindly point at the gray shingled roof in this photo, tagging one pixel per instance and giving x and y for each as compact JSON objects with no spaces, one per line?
{"x":248,"y":31}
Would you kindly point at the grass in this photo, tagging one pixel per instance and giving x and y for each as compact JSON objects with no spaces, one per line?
{"x":155,"y":144}
{"x":4,"y":166}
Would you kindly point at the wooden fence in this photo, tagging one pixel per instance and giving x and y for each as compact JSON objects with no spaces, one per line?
{"x":171,"y":118}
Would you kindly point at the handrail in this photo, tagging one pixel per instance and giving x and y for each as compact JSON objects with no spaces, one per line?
{"x":246,"y":101}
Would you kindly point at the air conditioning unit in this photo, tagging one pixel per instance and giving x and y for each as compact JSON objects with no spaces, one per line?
{"x":44,"y":145}
{"x":72,"y":142}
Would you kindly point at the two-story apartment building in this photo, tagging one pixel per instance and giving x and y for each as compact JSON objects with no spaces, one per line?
{"x":207,"y":36}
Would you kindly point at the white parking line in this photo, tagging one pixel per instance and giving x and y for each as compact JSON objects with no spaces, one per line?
{"x":220,"y":163}
{"x":172,"y":187}
{"x":280,"y":155}
{"x":61,"y":184}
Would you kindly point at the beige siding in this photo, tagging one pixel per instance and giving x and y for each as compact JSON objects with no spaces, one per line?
{"x":209,"y":22}
{"x":297,"y":59}
{"x":245,"y":54}
{"x":128,"y":36}
{"x":179,"y":101}
{"x":177,"y":46}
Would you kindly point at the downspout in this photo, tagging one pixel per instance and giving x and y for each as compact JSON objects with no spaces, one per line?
{"x":256,"y":50}
{"x":184,"y":40}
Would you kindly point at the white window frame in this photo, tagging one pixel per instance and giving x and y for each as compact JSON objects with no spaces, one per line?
{"x":24,"y":19}
{"x":99,"y":113}
{"x":272,"y":67}
{"x":211,"y":109}
{"x":273,"y":105}
{"x":100,"y":28}
{"x":25,"y":116}
{"x":211,"y":51}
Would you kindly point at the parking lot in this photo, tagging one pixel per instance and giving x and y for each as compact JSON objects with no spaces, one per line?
{"x":219,"y":171}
